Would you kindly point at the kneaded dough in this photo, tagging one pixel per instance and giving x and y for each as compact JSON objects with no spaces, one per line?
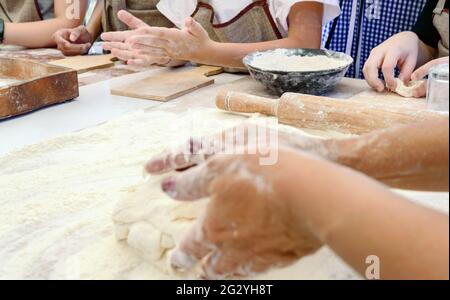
{"x":153,"y":224}
{"x":406,"y":91}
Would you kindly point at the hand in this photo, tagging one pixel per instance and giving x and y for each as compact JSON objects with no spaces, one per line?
{"x":401,"y":50}
{"x":421,"y":72}
{"x":74,"y":41}
{"x":248,"y":137}
{"x":116,"y":42}
{"x":250,"y":224}
{"x":145,"y":45}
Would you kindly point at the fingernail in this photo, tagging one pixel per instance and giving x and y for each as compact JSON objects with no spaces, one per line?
{"x":154,"y":166}
{"x":169,"y":186}
{"x":181,"y":261}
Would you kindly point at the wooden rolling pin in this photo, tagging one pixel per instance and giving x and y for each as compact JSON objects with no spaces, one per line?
{"x":323,"y":113}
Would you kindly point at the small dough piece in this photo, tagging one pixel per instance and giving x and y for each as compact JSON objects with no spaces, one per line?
{"x":406,"y":91}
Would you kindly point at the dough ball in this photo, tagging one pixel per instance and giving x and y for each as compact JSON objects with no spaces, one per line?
{"x":406,"y":90}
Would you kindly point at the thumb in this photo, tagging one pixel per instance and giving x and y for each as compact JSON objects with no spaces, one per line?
{"x":195,"y":28}
{"x":421,"y":72}
{"x":194,"y":184}
{"x":75,"y":34}
{"x":130,"y":20}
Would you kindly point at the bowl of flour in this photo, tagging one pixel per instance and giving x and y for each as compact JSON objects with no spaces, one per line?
{"x":306,"y":71}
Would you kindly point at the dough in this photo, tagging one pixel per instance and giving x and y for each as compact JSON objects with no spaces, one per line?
{"x":275,"y":61}
{"x":406,"y":90}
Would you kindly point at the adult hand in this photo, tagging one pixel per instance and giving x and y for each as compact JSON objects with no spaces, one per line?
{"x":401,"y":50}
{"x":421,"y":72}
{"x":251,"y":222}
{"x":74,"y":41}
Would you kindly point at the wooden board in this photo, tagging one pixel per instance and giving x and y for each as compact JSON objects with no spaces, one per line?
{"x":168,"y":85}
{"x":390,"y":100}
{"x":36,"y":85}
{"x":85,"y":63}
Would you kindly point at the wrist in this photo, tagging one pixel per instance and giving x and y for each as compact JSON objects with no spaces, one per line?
{"x":206,"y":52}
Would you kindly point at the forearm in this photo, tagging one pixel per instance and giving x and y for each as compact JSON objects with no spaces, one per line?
{"x":95,"y":23}
{"x":232,"y":54}
{"x":358,"y":218}
{"x":35,"y":34}
{"x":412,"y":157}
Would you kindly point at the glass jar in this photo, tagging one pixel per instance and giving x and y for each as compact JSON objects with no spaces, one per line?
{"x":438,"y":88}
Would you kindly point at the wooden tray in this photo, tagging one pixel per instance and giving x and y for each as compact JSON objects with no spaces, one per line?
{"x":37,"y":85}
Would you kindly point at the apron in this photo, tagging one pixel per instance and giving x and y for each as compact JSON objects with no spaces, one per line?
{"x":143,"y":9}
{"x":20,"y":11}
{"x":440,"y":21}
{"x":252,"y":25}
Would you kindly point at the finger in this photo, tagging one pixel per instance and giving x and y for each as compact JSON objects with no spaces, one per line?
{"x":195,"y":28}
{"x":195,"y":183}
{"x":221,"y":265}
{"x":185,"y":156}
{"x":407,"y":68}
{"x":421,"y":90}
{"x":61,"y":37}
{"x":148,"y":40}
{"x":130,"y":20}
{"x":388,"y":68}
{"x":421,"y":72}
{"x":193,"y":248}
{"x":75,"y":34}
{"x":370,"y":71}
{"x":118,"y":36}
{"x":115,"y":45}
{"x":124,"y":55}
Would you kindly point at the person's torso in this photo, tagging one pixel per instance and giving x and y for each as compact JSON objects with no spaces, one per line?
{"x":374,"y":22}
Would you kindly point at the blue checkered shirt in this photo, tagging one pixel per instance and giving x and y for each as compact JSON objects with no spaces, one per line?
{"x":376,"y":21}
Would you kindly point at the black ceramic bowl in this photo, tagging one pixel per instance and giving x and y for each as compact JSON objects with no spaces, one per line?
{"x":310,"y":82}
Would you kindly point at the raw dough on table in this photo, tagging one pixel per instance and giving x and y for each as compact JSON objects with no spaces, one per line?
{"x":407,"y":91}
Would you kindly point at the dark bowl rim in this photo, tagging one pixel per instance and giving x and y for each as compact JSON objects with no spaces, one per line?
{"x":318,"y":72}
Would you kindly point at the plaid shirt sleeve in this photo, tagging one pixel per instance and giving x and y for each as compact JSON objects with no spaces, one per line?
{"x":376,"y":21}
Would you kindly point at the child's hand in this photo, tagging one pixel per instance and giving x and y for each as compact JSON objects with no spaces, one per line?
{"x":250,"y":224}
{"x":190,"y":43}
{"x":74,"y":41}
{"x":421,"y":72}
{"x":146,"y":45}
{"x":401,"y":50}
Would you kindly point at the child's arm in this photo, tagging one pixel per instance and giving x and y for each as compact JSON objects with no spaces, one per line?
{"x":76,"y":41}
{"x":39,"y":34}
{"x":192,"y":43}
{"x":283,"y":212}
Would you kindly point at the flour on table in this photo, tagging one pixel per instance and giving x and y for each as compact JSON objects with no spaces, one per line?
{"x":404,"y":90}
{"x":59,"y":197}
{"x":280,"y":62}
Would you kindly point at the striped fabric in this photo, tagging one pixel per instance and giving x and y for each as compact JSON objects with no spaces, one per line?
{"x":376,"y":21}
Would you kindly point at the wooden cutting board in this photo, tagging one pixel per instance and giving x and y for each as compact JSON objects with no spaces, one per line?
{"x":84,"y":63}
{"x":169,"y":84}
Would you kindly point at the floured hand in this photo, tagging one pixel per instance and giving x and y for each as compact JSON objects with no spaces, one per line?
{"x":74,"y":41}
{"x":249,"y":225}
{"x":248,"y":138}
{"x":421,"y":72}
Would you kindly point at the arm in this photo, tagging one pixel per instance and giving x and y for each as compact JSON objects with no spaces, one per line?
{"x":362,"y":218}
{"x":260,"y":217}
{"x":76,"y":41}
{"x":412,"y":156}
{"x":147,"y":45}
{"x":25,"y":34}
{"x":94,"y":27}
